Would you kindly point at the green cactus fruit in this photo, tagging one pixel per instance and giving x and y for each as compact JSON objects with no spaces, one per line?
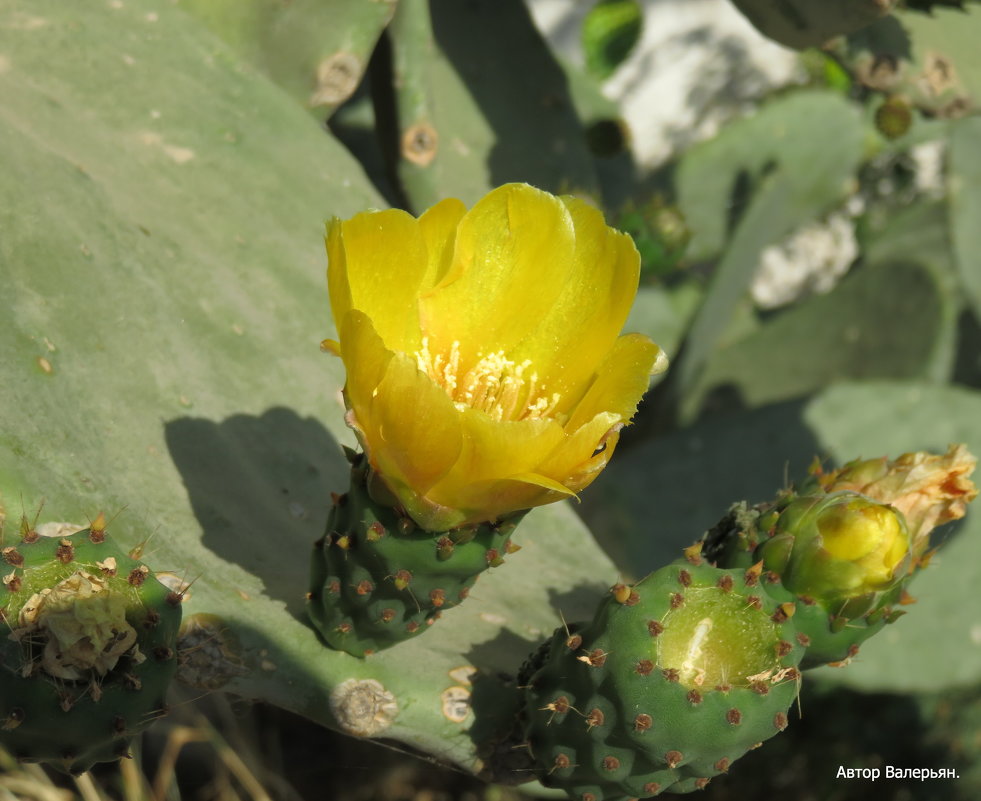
{"x":376,"y":579}
{"x":89,"y":650}
{"x":674,"y":679}
{"x":841,"y":557}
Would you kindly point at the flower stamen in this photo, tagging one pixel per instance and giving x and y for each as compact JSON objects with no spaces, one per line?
{"x":495,"y":385}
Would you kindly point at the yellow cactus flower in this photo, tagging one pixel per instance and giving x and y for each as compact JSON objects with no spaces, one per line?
{"x":486,"y":373}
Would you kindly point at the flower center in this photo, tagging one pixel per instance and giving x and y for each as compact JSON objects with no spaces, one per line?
{"x":496,"y":385}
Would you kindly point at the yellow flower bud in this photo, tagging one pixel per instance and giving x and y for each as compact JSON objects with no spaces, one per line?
{"x":486,"y":373}
{"x":868,"y":536}
{"x":837,"y":547}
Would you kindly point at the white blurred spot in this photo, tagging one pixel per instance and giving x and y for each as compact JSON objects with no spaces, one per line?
{"x":812,"y":259}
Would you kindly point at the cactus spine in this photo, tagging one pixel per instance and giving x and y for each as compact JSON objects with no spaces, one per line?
{"x":89,"y":650}
{"x":377,"y":579}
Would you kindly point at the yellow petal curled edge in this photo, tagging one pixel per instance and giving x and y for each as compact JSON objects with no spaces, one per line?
{"x":621,"y":381}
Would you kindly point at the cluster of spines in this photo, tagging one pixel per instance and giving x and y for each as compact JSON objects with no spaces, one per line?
{"x":74,"y":723}
{"x":377,"y":579}
{"x":606,"y":718}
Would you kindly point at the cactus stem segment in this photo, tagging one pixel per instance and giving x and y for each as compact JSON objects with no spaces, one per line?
{"x":377,"y":578}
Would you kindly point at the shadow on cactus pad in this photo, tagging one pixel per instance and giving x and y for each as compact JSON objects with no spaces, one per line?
{"x":260,"y":488}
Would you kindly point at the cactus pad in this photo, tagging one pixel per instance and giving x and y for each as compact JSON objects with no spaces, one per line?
{"x":89,"y":650}
{"x":674,"y":679}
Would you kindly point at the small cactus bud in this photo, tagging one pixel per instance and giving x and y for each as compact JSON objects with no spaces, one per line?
{"x":838,"y":547}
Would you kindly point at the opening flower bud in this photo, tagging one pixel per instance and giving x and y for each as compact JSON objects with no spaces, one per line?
{"x":838,"y":547}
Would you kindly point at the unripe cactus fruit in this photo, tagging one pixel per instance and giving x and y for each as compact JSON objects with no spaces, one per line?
{"x":376,"y":579}
{"x":673,"y":680}
{"x":89,"y":649}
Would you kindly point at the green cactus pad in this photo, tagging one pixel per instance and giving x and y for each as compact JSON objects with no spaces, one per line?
{"x":376,"y":579}
{"x":88,"y":651}
{"x":674,"y":679}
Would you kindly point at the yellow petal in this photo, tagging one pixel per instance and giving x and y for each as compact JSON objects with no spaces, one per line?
{"x":489,"y":500}
{"x":546,"y":483}
{"x":438,"y":227}
{"x":366,"y":360}
{"x":583,"y":454}
{"x":409,"y":426}
{"x":621,"y":381}
{"x":383,"y":265}
{"x":584,"y":321}
{"x":419,"y":426}
{"x":491,"y":451}
{"x":337,"y":285}
{"x":513,"y":252}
